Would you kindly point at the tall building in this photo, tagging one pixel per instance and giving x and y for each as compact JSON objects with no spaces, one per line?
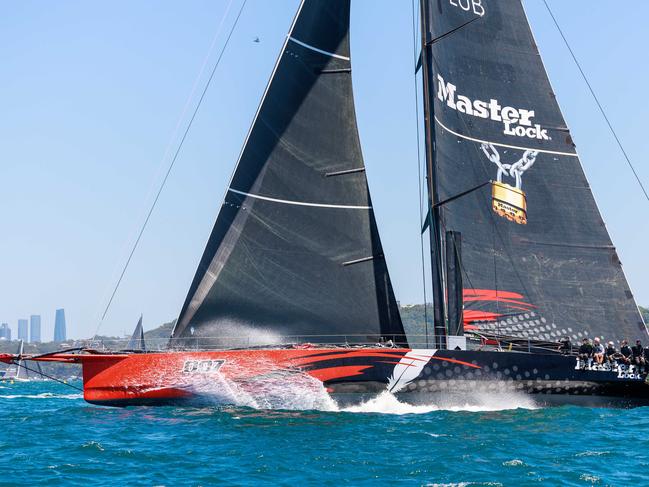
{"x":5,"y":332}
{"x":35,"y":329}
{"x":59,"y":326}
{"x":23,"y":332}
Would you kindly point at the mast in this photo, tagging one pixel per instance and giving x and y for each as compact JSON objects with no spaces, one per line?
{"x":435,"y":232}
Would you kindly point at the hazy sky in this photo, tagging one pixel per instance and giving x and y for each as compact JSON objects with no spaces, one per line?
{"x":91,"y":93}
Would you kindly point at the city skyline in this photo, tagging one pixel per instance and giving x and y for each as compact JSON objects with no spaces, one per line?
{"x":35,"y":329}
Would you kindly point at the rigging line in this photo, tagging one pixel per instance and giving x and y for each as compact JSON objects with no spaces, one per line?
{"x":596,"y":98}
{"x":187,"y":310}
{"x":49,"y":376}
{"x":419,"y":172}
{"x":175,"y":157}
{"x":177,"y":127}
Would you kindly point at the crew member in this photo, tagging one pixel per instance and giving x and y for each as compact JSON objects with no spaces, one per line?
{"x":626,"y":353}
{"x":585,"y":352}
{"x":566,"y":346}
{"x":611,"y":353}
{"x":638,"y":353}
{"x":598,"y":351}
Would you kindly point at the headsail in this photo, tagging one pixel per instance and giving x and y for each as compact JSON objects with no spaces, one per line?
{"x":137,"y":339}
{"x":496,"y":118}
{"x":295,"y":250}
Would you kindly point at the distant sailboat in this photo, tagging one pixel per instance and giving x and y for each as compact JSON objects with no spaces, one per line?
{"x":294,"y":277}
{"x":16,"y":372}
{"x":137,"y":339}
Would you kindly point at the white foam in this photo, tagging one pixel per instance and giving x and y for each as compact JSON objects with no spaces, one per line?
{"x":43,"y":395}
{"x":514,"y":463}
{"x":386,"y":403}
{"x":590,"y":453}
{"x":291,"y":389}
{"x":281,"y":389}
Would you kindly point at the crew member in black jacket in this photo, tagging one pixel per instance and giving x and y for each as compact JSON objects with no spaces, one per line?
{"x":626,"y":353}
{"x":638,"y":353}
{"x":585,"y":352}
{"x":612,"y":355}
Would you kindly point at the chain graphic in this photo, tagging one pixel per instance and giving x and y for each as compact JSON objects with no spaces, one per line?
{"x":515,"y":170}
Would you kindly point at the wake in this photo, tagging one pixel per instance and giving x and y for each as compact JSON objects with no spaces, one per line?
{"x":295,"y":391}
{"x":43,"y":395}
{"x":387,"y":403}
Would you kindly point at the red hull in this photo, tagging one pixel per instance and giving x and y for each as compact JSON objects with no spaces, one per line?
{"x":167,"y":377}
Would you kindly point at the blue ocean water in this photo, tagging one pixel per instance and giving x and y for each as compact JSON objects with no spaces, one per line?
{"x":50,"y":436}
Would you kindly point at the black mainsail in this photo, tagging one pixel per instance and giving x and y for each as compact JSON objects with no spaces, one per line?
{"x":295,"y":250}
{"x":495,"y":117}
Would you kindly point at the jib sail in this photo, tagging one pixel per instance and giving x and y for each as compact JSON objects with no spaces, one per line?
{"x":536,"y":256}
{"x":137,"y":338}
{"x":295,"y":252}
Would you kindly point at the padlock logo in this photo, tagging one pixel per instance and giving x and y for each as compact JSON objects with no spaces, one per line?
{"x":509,"y":201}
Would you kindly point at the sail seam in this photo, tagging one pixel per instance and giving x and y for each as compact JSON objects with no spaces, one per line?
{"x":300,"y":203}
{"x":558,"y":153}
{"x":321,"y":51}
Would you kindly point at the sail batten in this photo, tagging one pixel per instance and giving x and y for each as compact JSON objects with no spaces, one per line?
{"x":500,"y":144}
{"x":550,"y":270}
{"x":300,"y":203}
{"x":321,"y":51}
{"x":274,"y":265}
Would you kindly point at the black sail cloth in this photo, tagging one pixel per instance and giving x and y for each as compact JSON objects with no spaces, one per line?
{"x":496,"y":117}
{"x":295,"y":251}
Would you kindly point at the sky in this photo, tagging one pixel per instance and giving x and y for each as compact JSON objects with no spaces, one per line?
{"x":92,"y":95}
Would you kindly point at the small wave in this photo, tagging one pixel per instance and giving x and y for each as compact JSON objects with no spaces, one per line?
{"x":93,"y":445}
{"x":593,"y":453}
{"x":590,"y":478}
{"x":43,"y":395}
{"x":66,"y":465}
{"x":513,"y":463}
{"x":467,"y":484}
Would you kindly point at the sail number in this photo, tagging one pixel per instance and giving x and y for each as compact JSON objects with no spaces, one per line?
{"x":201,"y":366}
{"x":468,"y":5}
